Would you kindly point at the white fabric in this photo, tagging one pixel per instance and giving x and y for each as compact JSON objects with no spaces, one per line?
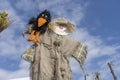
{"x":60,"y":31}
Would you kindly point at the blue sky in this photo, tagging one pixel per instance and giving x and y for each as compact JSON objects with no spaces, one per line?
{"x":97,"y":23}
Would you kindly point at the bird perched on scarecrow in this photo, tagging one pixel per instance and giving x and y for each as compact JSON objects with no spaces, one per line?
{"x":4,"y":22}
{"x":37,"y":26}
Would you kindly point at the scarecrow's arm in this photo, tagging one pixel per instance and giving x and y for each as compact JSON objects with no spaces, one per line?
{"x":75,"y":49}
{"x":80,"y":55}
{"x":28,"y":30}
{"x":28,"y":55}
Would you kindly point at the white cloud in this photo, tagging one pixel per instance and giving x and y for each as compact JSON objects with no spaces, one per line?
{"x":22,"y":72}
{"x":63,"y":8}
{"x":25,"y":5}
{"x":25,"y":78}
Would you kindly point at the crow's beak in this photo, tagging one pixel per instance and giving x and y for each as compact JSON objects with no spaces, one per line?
{"x":41,"y":21}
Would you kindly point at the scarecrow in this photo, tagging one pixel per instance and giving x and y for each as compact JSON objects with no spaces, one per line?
{"x":4,"y":22}
{"x":37,"y":26}
{"x":50,"y":58}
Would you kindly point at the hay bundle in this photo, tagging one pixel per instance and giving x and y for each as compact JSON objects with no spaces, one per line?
{"x":4,"y":21}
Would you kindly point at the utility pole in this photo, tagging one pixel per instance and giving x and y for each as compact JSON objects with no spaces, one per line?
{"x":112,"y":71}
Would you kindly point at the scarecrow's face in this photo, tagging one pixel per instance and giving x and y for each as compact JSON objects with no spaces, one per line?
{"x":60,"y":29}
{"x":61,"y":26}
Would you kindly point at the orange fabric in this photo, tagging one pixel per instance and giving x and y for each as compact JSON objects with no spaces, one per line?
{"x":34,"y":38}
{"x":37,"y":39}
{"x":31,"y":37}
{"x":41,"y":21}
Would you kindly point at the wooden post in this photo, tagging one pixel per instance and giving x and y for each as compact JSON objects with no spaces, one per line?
{"x":85,"y":77}
{"x":97,"y":74}
{"x":112,"y":71}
